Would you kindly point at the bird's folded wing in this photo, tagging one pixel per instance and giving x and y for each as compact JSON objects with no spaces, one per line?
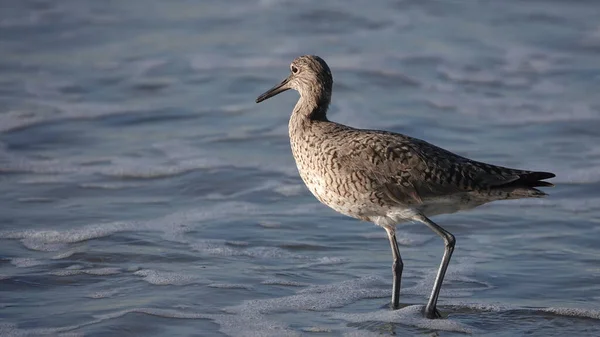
{"x":408,"y":170}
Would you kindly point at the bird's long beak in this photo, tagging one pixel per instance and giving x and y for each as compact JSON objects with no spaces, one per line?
{"x":281,"y":87}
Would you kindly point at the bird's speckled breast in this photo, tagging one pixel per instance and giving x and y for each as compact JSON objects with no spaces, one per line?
{"x":324,"y":175}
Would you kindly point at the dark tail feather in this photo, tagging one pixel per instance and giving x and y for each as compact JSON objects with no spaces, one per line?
{"x":532,"y":179}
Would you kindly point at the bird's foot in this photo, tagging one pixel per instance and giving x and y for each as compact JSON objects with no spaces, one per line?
{"x":392,"y":306}
{"x":431,"y":313}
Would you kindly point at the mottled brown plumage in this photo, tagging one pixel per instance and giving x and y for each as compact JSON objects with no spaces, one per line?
{"x":385,"y":177}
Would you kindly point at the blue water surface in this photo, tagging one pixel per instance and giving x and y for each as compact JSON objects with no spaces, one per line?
{"x":144,"y":193}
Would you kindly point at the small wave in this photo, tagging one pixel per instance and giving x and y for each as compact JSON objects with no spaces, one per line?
{"x":167,"y":313}
{"x":109,"y":186}
{"x":269,"y":224}
{"x":53,"y":240}
{"x":65,"y":254}
{"x":172,"y":225}
{"x":224,"y":248}
{"x":411,"y":315}
{"x":46,"y":111}
{"x":162,"y":278}
{"x":25,"y":262}
{"x":290,"y":190}
{"x":574,"y":312}
{"x":12,"y":330}
{"x":286,"y":283}
{"x":326,"y":261}
{"x":42,"y":246}
{"x":92,"y":271}
{"x":364,"y":282}
{"x":230,"y":286}
{"x":103,"y":294}
{"x":254,"y":317}
{"x":36,"y":200}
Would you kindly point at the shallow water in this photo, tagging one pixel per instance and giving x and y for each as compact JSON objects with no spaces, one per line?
{"x":145,"y":193}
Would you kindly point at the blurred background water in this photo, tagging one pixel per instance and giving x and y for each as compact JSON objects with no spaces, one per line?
{"x":143,"y":192}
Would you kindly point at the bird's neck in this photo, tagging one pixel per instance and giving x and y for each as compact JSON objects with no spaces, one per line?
{"x":312,"y":106}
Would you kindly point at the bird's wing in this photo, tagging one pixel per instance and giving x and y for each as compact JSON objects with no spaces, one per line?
{"x":442,"y":172}
{"x":409,"y":170}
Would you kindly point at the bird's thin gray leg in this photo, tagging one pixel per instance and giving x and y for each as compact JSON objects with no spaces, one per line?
{"x":431,"y":310}
{"x":397,"y":266}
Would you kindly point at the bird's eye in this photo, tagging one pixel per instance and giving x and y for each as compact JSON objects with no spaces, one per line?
{"x":294,"y":69}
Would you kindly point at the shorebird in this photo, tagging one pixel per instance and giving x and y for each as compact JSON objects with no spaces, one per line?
{"x":388,"y":178}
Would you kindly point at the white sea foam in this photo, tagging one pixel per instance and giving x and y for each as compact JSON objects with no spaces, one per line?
{"x":574,"y":312}
{"x":12,"y":330}
{"x":317,"y":329}
{"x":25,"y":262}
{"x":103,"y":271}
{"x":482,"y":307}
{"x":362,"y":333}
{"x":230,"y":286}
{"x":53,"y":240}
{"x":287,"y":283}
{"x":66,"y":254}
{"x":173,"y":226}
{"x":224,"y":248}
{"x":365,"y":282}
{"x":42,"y":246}
{"x":158,"y":277}
{"x":325,"y":261}
{"x":258,"y":317}
{"x":91,"y":271}
{"x":74,"y":267}
{"x":411,"y":315}
{"x":253,"y":317}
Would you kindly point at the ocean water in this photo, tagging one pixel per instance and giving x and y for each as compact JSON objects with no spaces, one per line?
{"x":144,"y":193}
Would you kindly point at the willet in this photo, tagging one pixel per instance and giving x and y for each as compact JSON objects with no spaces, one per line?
{"x":388,"y":178}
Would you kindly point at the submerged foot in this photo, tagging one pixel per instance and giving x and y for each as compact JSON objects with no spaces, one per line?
{"x":391,"y":306}
{"x":431,"y":313}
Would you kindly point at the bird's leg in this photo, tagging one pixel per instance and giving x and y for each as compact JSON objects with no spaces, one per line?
{"x":396,"y":266}
{"x":449,"y":240}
